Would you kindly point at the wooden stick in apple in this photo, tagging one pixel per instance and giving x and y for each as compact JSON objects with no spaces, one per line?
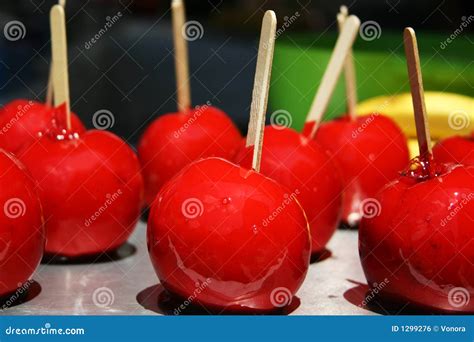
{"x":417,"y":92}
{"x":349,"y":70}
{"x":49,"y":90}
{"x":328,"y":83}
{"x":261,"y":87}
{"x":183,"y":87}
{"x":60,"y":61}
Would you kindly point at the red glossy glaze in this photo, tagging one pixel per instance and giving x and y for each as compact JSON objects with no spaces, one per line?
{"x":459,"y":150}
{"x":174,"y":140}
{"x":369,"y":151}
{"x":420,"y":243}
{"x":305,"y":170}
{"x":91,"y":190}
{"x":21,"y":225}
{"x":22,"y":122}
{"x":210,"y":235}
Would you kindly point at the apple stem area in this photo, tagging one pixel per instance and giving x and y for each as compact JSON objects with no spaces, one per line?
{"x":417,"y":92}
{"x":60,"y":61}
{"x":261,"y":87}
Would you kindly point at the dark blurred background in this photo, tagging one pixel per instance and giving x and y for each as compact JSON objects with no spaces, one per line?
{"x":129,"y":70}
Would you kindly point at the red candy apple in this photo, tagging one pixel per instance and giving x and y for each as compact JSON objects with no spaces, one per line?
{"x":229,"y":236}
{"x":21,"y":225}
{"x":370,"y":151}
{"x":23,"y":121}
{"x":174,"y":140}
{"x":421,"y":242}
{"x":91,"y":190}
{"x":459,"y":150}
{"x":305,"y":169}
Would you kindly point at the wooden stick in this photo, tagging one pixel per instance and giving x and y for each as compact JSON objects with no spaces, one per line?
{"x":349,"y":70}
{"x":261,"y":87}
{"x":333,"y":71}
{"x":60,"y":62}
{"x":183,"y":88}
{"x":417,"y":92}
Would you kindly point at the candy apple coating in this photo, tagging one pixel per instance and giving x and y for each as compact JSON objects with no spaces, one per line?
{"x":23,"y":121}
{"x":176,"y":139}
{"x":230,"y":232}
{"x":306,"y":170}
{"x":456,"y":149}
{"x":91,"y":190}
{"x":21,"y":225}
{"x":370,"y":151}
{"x":420,"y":243}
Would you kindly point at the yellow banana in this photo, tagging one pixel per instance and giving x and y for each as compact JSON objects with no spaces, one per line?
{"x":448,"y":113}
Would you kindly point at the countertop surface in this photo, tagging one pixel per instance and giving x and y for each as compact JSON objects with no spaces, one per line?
{"x":126,"y":284}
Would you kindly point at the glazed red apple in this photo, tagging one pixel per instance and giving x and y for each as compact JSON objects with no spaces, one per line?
{"x":21,"y":225}
{"x":23,"y":121}
{"x":305,"y":170}
{"x":369,"y":151}
{"x":91,"y":190}
{"x":176,"y":139}
{"x":230,"y":237}
{"x":457,"y":149}
{"x":421,"y":242}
